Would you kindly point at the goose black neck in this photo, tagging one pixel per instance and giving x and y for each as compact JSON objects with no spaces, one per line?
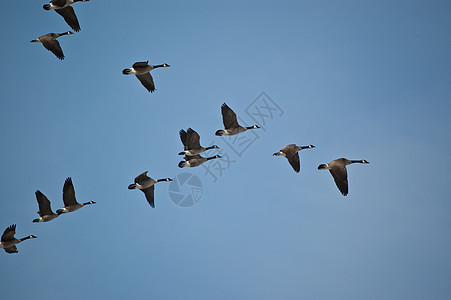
{"x":164,"y":179}
{"x":356,"y":161}
{"x":158,"y":66}
{"x":26,"y":238}
{"x":213,"y":157}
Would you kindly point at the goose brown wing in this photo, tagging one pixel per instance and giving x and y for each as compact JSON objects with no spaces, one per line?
{"x":149,"y":192}
{"x":53,"y":46}
{"x":59,"y":3}
{"x":69,"y":193}
{"x":193,"y":140}
{"x":340,"y":176}
{"x":44,"y":204}
{"x":183,"y":135}
{"x":147,"y":81}
{"x":140,"y":64}
{"x":69,"y":16}
{"x":9,"y":232}
{"x":12,"y":249}
{"x":293,"y":159}
{"x":228,"y":117}
{"x":142,"y":178}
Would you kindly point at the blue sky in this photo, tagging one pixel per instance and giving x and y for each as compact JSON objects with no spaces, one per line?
{"x":357,"y":79}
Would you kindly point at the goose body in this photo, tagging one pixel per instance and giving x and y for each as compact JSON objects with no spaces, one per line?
{"x":291,"y":153}
{"x":191,"y":143}
{"x":147,"y":186}
{"x":338,"y":171}
{"x":195,"y":160}
{"x":8,"y":241}
{"x":142,"y":71}
{"x":64,"y":9}
{"x":70,"y":202}
{"x":45,"y":211}
{"x":231,"y":126}
{"x":50,"y":43}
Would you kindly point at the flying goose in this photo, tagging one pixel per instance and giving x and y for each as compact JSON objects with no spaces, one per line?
{"x":142,"y":72}
{"x":291,"y":153}
{"x":9,"y":242}
{"x":64,"y":8}
{"x":45,"y":211}
{"x":195,"y":160}
{"x":338,"y":170}
{"x":231,"y":126}
{"x":50,"y":43}
{"x":70,"y":203}
{"x":147,"y":186}
{"x":191,"y":143}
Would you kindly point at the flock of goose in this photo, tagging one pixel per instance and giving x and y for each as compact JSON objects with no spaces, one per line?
{"x":190,"y":140}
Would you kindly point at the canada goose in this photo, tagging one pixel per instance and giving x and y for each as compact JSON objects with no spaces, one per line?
{"x":231,"y":126}
{"x":45,"y":211}
{"x":191,"y":143}
{"x":64,"y":8}
{"x":195,"y":160}
{"x":338,"y":170}
{"x":142,"y":72}
{"x":147,"y":186}
{"x":9,"y":242}
{"x":50,"y":43}
{"x":70,"y":203}
{"x":291,"y":153}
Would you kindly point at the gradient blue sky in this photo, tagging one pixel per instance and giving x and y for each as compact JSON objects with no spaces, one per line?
{"x":358,"y":79}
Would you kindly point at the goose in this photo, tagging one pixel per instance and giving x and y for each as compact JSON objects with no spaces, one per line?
{"x":291,"y":153}
{"x":147,"y":186}
{"x":64,"y":8}
{"x":191,"y":143}
{"x":70,"y":203}
{"x":9,"y":242}
{"x":195,"y":160}
{"x":50,"y":43}
{"x":231,"y":126}
{"x":45,"y":211}
{"x":142,"y":72}
{"x":338,"y":170}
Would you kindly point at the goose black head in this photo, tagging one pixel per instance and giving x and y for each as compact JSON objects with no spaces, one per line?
{"x":323,"y":167}
{"x":220,"y":132}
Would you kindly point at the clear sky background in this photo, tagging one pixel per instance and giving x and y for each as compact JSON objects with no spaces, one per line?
{"x":357,"y":79}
